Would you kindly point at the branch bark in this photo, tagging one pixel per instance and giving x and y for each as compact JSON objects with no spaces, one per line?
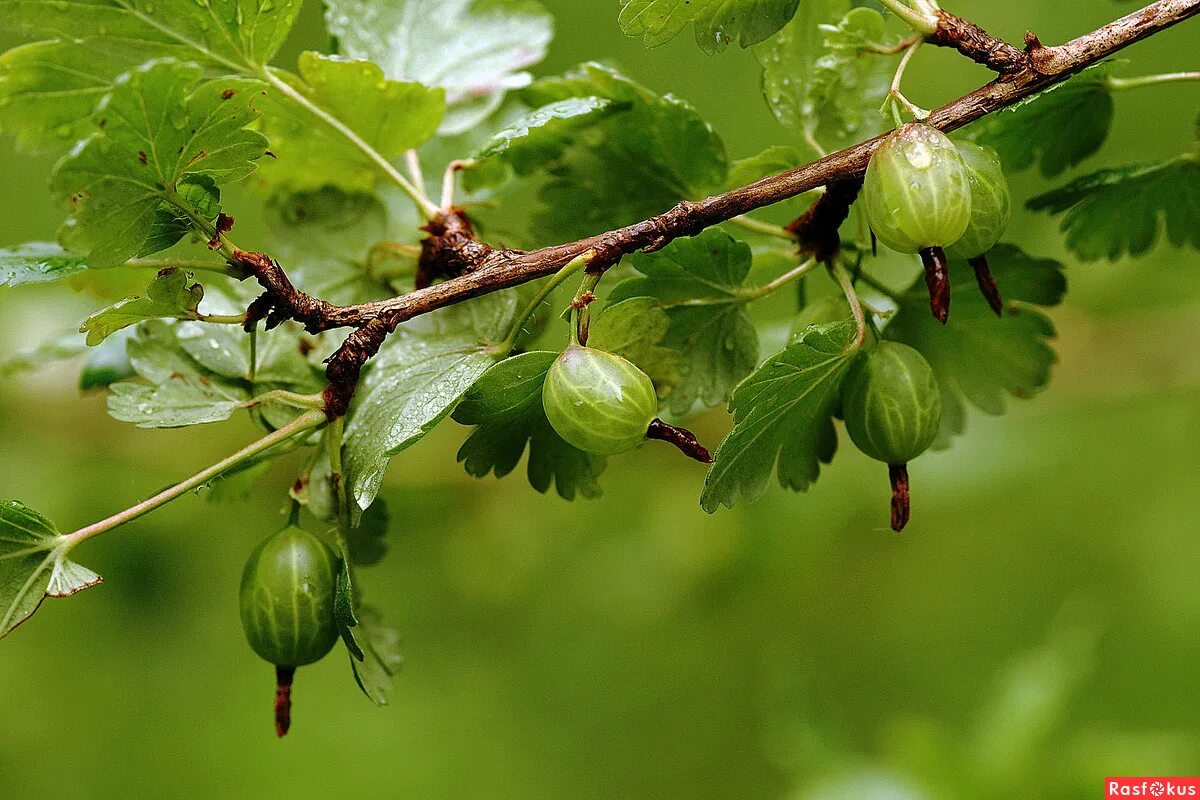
{"x":481,"y":270}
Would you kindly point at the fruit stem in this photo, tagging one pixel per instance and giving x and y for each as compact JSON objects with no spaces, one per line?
{"x":987,"y":284}
{"x":898,"y":474}
{"x":682,"y":438}
{"x":937,"y":278}
{"x":860,"y":317}
{"x":283,"y":699}
{"x":556,"y":280}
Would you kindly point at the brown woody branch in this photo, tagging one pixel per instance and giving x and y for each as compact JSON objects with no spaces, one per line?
{"x":450,"y":250}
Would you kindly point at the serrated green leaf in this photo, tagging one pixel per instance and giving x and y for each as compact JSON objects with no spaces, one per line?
{"x":414,"y":383}
{"x":390,"y":116}
{"x":700,"y":282}
{"x":157,"y":126}
{"x":1121,"y":211}
{"x":476,"y":50}
{"x":633,"y":329}
{"x":38,"y":262}
{"x":1054,"y":129}
{"x":717,"y":22}
{"x":506,"y":406}
{"x":178,"y":401}
{"x":783,"y":415}
{"x":49,"y":89}
{"x":33,"y":564}
{"x":170,"y":294}
{"x":631,"y":164}
{"x":817,"y":80}
{"x":976,"y":355}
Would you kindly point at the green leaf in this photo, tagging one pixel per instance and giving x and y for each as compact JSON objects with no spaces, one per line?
{"x":390,"y":116}
{"x":700,"y":282}
{"x":225,"y":350}
{"x":976,"y":355}
{"x":633,"y":329}
{"x":772,"y":161}
{"x":783,"y":414}
{"x":1056,"y":128}
{"x":717,"y":22}
{"x":158,"y":126}
{"x":178,"y":401}
{"x":476,"y":50}
{"x":324,"y":237}
{"x":169,"y":295}
{"x":375,"y":672}
{"x":37,"y":262}
{"x":106,"y":363}
{"x":415,"y":382}
{"x":49,"y":89}
{"x":33,"y":564}
{"x":817,"y":80}
{"x":344,"y":600}
{"x":1117,"y":211}
{"x":629,"y":165}
{"x":534,"y":138}
{"x":506,"y":406}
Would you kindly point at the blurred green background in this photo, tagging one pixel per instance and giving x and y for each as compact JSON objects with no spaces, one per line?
{"x":1035,"y":629}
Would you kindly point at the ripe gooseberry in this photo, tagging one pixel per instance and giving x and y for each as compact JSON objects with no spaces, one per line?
{"x":892,"y":407}
{"x":597,"y":401}
{"x":918,"y":200}
{"x":991,"y":209}
{"x":287,"y":596}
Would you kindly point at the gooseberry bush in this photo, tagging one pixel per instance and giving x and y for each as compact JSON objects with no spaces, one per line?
{"x":564,"y":266}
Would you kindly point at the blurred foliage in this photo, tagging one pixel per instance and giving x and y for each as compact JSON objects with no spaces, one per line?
{"x":1032,"y":631}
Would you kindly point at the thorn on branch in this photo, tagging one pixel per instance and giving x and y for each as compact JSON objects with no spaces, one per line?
{"x":682,"y":438}
{"x":977,"y":44}
{"x":817,"y":229}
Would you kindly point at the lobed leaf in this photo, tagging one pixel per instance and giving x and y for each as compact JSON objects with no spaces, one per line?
{"x":634,"y":329}
{"x":505,"y":405}
{"x":783,"y":417}
{"x":1121,"y":211}
{"x":49,"y":89}
{"x":157,"y":126}
{"x":977,"y":356}
{"x":33,"y":564}
{"x":169,"y":295}
{"x":1054,"y":129}
{"x":700,"y":282}
{"x":176,"y":402}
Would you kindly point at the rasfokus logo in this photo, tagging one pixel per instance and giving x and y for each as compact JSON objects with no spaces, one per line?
{"x":1152,"y":787}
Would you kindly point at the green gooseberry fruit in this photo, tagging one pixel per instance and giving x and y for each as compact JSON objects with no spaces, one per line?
{"x":917,"y":190}
{"x":917,"y":195}
{"x":892,"y":407}
{"x":597,"y":401}
{"x":287,"y":597}
{"x":991,"y":209}
{"x":991,"y":204}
